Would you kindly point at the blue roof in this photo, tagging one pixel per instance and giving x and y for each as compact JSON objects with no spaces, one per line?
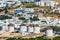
{"x":18,"y":11}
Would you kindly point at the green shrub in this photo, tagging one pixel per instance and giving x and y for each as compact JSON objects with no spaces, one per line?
{"x":19,"y":39}
{"x":11,"y":39}
{"x":40,"y":38}
{"x":34,"y":18}
{"x":5,"y":17}
{"x":56,"y":38}
{"x":21,"y":18}
{"x":31,"y":38}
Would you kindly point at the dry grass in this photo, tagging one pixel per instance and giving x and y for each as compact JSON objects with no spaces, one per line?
{"x":58,"y":1}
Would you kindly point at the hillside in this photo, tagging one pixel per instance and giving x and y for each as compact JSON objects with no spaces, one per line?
{"x":58,"y":1}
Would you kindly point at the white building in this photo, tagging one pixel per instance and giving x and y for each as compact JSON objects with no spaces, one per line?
{"x":57,"y":10}
{"x":17,"y":2}
{"x":27,"y":0}
{"x":2,"y":4}
{"x":49,"y":32}
{"x":23,"y":28}
{"x":29,"y":10}
{"x":45,"y":3}
{"x":31,"y":29}
{"x":11,"y":28}
{"x":5,"y":28}
{"x":36,"y":29}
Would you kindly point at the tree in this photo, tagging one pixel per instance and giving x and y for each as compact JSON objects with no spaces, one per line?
{"x":34,"y":18}
{"x":2,"y":17}
{"x":22,"y":38}
{"x":6,"y":9}
{"x":55,"y":28}
{"x":26,"y":39}
{"x":30,"y":5}
{"x":19,"y":39}
{"x":31,"y":38}
{"x":56,"y":38}
{"x":11,"y":39}
{"x":40,"y":38}
{"x":21,"y":18}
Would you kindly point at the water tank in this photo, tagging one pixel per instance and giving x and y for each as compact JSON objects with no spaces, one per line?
{"x":24,"y":33}
{"x":49,"y":32}
{"x":17,"y":26}
{"x":36,"y":29}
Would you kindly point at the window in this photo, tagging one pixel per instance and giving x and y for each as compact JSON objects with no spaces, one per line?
{"x":4,"y":3}
{"x":0,"y":28}
{"x":0,"y":3}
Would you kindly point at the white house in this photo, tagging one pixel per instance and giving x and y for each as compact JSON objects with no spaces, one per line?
{"x":31,"y":28}
{"x":29,"y":9}
{"x":45,"y":3}
{"x":17,"y":2}
{"x":49,"y":32}
{"x":2,"y":4}
{"x":23,"y":28}
{"x":27,"y":0}
{"x":56,"y":10}
{"x":11,"y":28}
{"x":5,"y":28}
{"x":36,"y":29}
